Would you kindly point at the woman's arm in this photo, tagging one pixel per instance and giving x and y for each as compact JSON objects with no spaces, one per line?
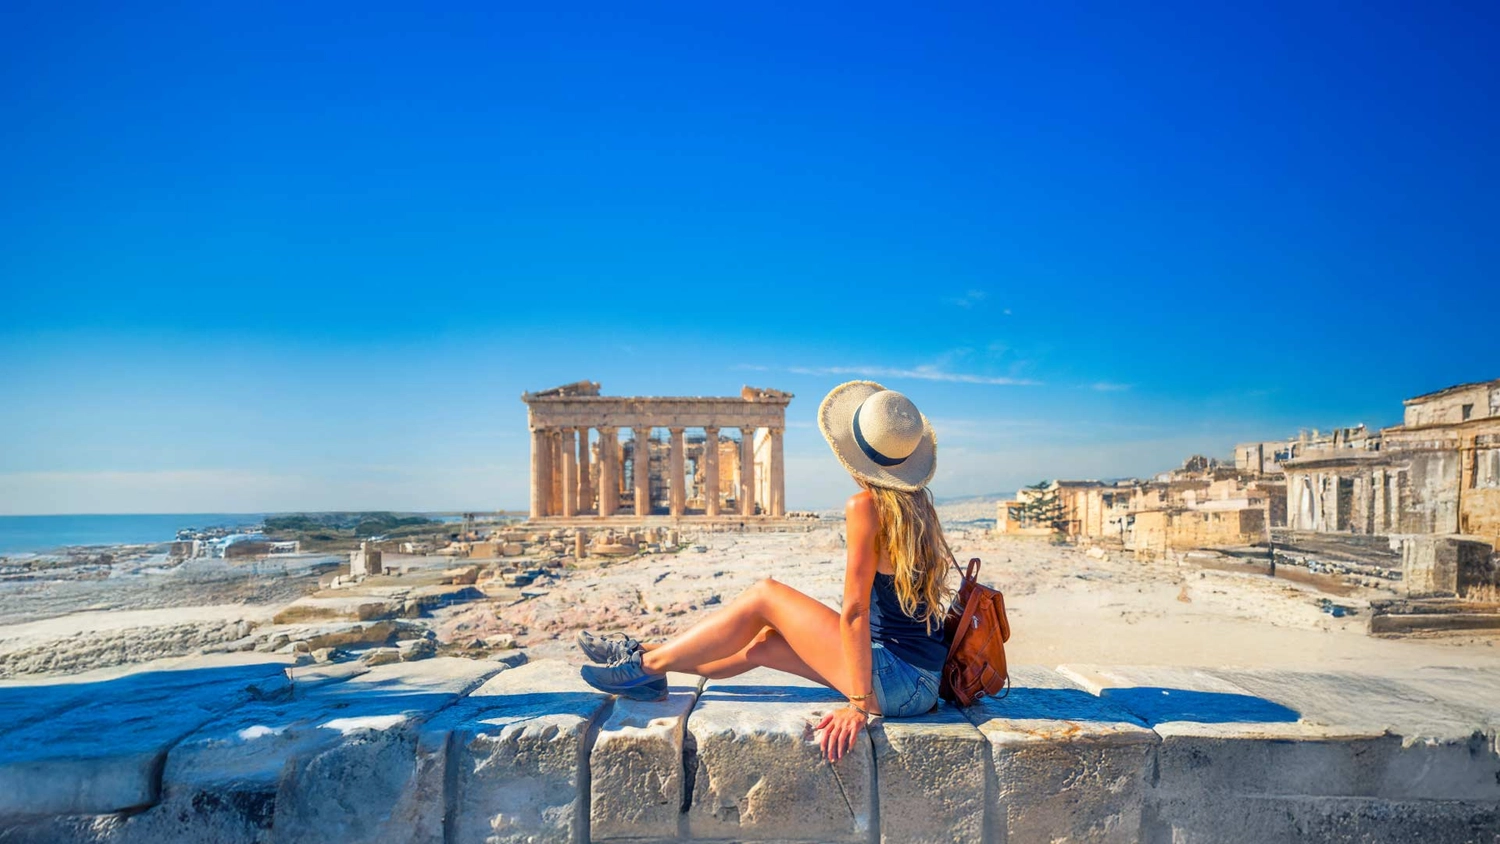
{"x":854,"y":627}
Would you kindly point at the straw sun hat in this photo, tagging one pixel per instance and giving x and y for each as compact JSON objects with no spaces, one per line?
{"x":879,"y":435}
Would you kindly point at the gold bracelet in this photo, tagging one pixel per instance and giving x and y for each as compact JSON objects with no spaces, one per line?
{"x":859,"y":697}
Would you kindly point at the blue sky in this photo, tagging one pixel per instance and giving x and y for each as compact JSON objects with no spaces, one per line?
{"x":289,"y":257}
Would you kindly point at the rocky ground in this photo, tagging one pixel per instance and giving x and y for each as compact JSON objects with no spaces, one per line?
{"x":1067,"y":604}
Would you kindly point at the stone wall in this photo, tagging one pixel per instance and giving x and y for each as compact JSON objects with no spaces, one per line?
{"x":1446,"y":566}
{"x":1179,"y":530}
{"x":455,"y":750}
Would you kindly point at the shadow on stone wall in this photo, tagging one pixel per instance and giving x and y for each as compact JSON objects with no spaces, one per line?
{"x":1150,"y":705}
{"x":1155,"y":705}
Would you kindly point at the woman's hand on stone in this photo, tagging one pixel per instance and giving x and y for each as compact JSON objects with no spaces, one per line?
{"x":840,"y":730}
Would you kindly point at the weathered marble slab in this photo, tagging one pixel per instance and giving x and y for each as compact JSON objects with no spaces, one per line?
{"x":1474,"y":692}
{"x":1261,"y":819}
{"x":1227,"y":752}
{"x":1067,"y":765}
{"x":758,"y":774}
{"x":1217,"y":735}
{"x":100,"y":746}
{"x":637,"y":786}
{"x":333,"y":763}
{"x":932,"y":777}
{"x":517,"y":756}
{"x":1437,"y":751}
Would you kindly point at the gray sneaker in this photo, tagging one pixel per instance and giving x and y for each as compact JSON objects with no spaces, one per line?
{"x":606,"y":650}
{"x":627,"y":678}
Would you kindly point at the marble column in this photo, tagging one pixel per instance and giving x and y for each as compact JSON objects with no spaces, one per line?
{"x":711,"y":471}
{"x":585,"y":488}
{"x":622,"y":483}
{"x":1393,"y":500}
{"x":540,"y":473}
{"x":609,"y":471}
{"x":1382,"y":514}
{"x":777,"y":482}
{"x":747,"y":471}
{"x":554,"y":457}
{"x":569,"y":473}
{"x":678,"y":479}
{"x":641,"y":472}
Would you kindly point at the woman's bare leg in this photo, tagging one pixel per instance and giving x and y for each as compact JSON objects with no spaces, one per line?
{"x":718,"y":636}
{"x":768,"y":649}
{"x":808,"y":630}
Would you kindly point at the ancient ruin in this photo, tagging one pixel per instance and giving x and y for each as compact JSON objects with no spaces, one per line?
{"x":1414,"y":508}
{"x":1436,"y":473}
{"x":700,"y":470}
{"x":1201,"y":504}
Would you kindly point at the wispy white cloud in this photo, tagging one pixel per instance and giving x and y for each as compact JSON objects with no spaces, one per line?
{"x":1109,"y":387}
{"x":969,"y":299}
{"x":921,"y":373}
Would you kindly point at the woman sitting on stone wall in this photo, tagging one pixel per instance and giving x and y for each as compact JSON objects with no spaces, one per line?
{"x":884,"y":651}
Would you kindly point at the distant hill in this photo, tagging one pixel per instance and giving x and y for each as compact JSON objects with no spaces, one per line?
{"x":320,"y":530}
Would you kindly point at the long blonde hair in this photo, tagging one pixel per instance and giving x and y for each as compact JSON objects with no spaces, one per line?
{"x":909,"y":532}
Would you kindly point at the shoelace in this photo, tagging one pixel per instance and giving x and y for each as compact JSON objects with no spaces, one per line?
{"x":630,"y":646}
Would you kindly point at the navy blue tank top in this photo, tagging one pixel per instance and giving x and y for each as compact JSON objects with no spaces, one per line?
{"x":902,"y":635}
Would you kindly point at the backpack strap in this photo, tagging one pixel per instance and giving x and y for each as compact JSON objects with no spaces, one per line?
{"x":963,"y":623}
{"x":971,"y":574}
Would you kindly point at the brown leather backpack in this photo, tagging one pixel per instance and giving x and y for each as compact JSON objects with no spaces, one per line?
{"x":976,"y":630}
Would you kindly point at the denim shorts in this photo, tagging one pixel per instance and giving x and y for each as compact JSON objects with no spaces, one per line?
{"x":901,"y":688}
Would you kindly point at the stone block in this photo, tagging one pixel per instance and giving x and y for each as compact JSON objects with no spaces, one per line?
{"x":1067,"y":766}
{"x":338,"y":607}
{"x":415,"y":649}
{"x":636,"y":766}
{"x":511,"y":659}
{"x":932,"y":776}
{"x":1434,"y":750}
{"x":333,"y":763}
{"x":463,"y":575}
{"x":1429,"y":566}
{"x":1259,"y":819}
{"x":365,"y":562}
{"x":758,"y":774}
{"x":102,"y":751}
{"x":381,"y":656}
{"x":1234,"y":765}
{"x":349,"y":635}
{"x":1219,"y":739}
{"x":427,"y":598}
{"x":517,"y":757}
{"x":1444,"y":565}
{"x":1432,"y":622}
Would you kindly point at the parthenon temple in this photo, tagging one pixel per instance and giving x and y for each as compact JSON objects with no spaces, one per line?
{"x":580,"y":466}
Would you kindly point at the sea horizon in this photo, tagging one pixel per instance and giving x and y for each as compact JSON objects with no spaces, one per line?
{"x":43,"y":533}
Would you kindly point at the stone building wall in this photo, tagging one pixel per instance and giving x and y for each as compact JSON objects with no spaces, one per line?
{"x":1479,"y":504}
{"x":1454,"y":405}
{"x":1157,"y":531}
{"x":1437,"y":473}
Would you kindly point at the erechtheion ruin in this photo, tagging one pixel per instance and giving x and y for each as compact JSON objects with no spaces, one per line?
{"x":700,"y":470}
{"x":1438,"y":472}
